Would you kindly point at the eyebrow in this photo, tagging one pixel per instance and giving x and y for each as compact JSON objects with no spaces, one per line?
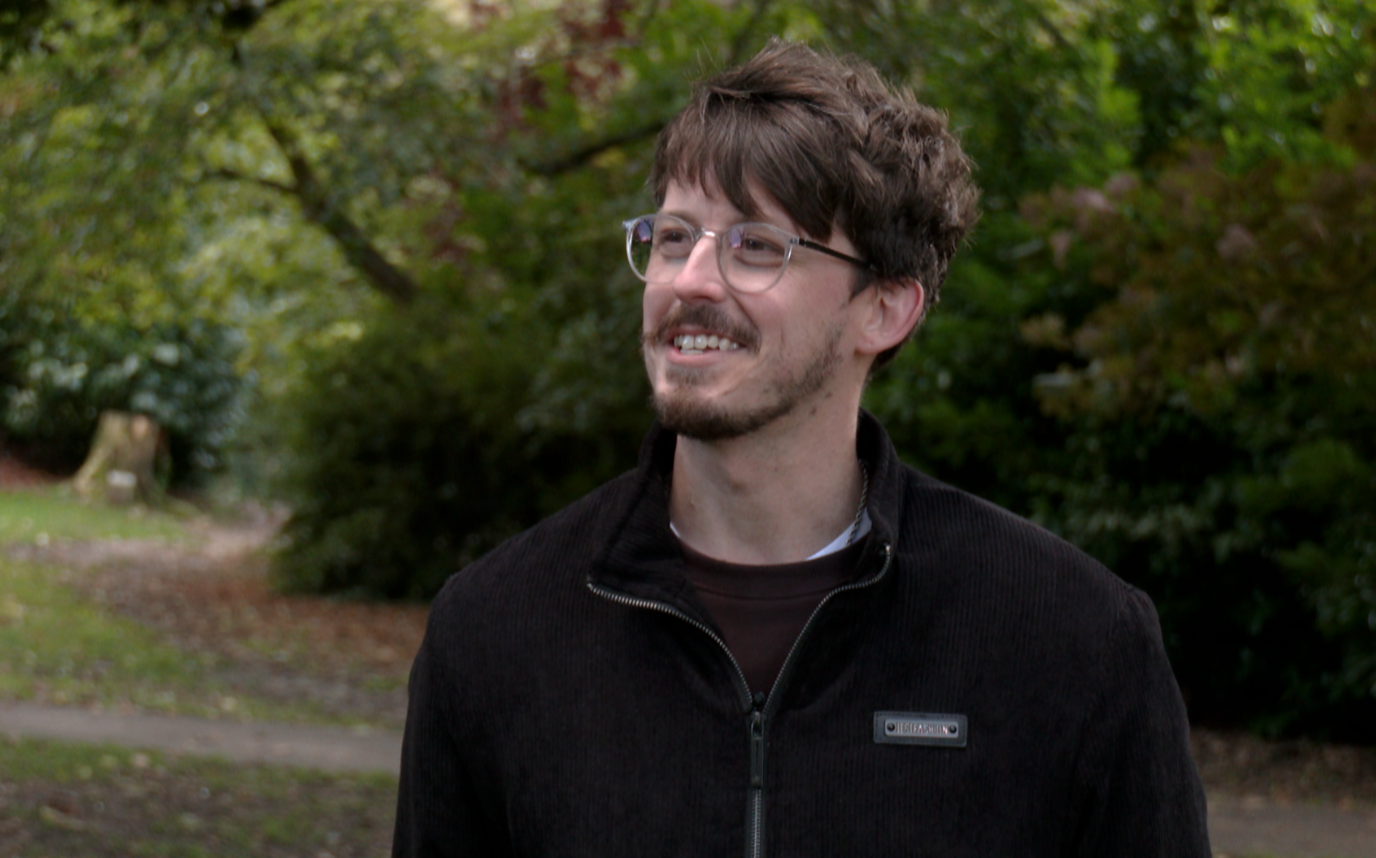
{"x":743,"y":218}
{"x":681,"y":215}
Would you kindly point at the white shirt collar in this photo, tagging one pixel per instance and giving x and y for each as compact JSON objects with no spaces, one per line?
{"x":841,"y":541}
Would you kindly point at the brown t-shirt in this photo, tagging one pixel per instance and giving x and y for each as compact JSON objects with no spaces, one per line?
{"x":761,"y":610}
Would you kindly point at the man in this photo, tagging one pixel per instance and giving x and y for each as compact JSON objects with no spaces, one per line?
{"x":772,"y":637}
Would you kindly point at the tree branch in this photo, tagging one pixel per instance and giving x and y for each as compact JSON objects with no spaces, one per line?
{"x":318,"y":209}
{"x":235,"y":176}
{"x":580,"y":157}
{"x":1053,"y":31}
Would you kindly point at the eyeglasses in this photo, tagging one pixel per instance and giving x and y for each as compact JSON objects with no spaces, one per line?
{"x":751,"y":256}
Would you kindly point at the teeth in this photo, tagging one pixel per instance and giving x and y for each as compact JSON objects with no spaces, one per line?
{"x":698,"y":343}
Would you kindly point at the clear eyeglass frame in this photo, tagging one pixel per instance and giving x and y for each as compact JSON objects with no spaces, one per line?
{"x":751,"y":257}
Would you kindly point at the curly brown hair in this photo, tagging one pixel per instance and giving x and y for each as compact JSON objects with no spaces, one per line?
{"x":837,"y":148}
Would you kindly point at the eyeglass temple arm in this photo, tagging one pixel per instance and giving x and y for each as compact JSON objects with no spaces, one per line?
{"x":812,"y":245}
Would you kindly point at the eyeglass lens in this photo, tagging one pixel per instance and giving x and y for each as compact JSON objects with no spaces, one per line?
{"x":751,"y":256}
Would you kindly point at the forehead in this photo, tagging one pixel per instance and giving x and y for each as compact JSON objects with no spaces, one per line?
{"x":709,"y":207}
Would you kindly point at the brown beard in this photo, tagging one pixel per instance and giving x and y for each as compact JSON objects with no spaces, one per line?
{"x":684,"y":414}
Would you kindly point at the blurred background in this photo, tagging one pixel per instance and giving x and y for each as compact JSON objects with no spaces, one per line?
{"x":363,"y":258}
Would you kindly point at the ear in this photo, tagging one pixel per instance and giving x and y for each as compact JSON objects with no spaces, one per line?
{"x":893,"y":309}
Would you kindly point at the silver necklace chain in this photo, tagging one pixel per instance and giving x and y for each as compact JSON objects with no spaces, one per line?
{"x":860,"y":512}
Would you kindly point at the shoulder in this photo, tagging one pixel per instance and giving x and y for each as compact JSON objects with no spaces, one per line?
{"x":545,"y":563}
{"x":1012,"y":567}
{"x":1032,"y":615}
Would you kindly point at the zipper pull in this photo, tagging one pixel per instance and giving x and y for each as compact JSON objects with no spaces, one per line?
{"x":756,"y":749}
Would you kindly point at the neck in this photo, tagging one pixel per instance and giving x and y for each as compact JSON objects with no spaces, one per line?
{"x":775,"y":496}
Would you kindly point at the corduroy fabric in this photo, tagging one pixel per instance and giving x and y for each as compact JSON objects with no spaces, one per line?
{"x":548,"y":719}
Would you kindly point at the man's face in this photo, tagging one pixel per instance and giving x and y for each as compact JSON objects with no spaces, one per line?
{"x":775,"y":351}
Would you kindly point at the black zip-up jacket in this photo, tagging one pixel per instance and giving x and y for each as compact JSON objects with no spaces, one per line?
{"x":982,"y":688}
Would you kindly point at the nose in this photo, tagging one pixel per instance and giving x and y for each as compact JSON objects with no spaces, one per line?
{"x":700,"y":278}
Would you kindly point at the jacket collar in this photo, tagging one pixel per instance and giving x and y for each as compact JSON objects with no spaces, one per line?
{"x":642,"y":557}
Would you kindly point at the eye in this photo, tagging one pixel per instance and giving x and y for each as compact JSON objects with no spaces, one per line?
{"x":752,"y":244}
{"x":673,"y":240}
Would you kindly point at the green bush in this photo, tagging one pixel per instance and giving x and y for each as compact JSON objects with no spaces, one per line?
{"x":434,"y":435}
{"x":1218,"y":445}
{"x":58,"y":374}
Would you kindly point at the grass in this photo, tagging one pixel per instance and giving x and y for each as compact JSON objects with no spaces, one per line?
{"x":59,"y":648}
{"x":56,"y":646}
{"x":60,"y":645}
{"x":53,"y":645}
{"x":63,"y":799}
{"x":42,"y":515}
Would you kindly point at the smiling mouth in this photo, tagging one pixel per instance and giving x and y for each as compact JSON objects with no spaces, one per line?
{"x":696,"y":344}
{"x":695,"y":329}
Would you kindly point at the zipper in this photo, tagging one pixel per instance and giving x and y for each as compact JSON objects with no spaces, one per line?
{"x":742,"y":685}
{"x":759,"y":714}
{"x":755,"y":827}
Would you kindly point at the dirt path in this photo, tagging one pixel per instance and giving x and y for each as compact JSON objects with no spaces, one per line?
{"x":1245,"y":826}
{"x":326,"y":748}
{"x":211,"y":595}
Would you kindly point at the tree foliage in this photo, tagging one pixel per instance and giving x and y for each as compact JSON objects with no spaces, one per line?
{"x":57,"y":375}
{"x":1217,"y":397}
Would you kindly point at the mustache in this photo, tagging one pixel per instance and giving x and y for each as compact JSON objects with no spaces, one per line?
{"x":707,"y":316}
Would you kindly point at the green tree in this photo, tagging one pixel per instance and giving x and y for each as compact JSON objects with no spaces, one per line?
{"x":1216,"y":399}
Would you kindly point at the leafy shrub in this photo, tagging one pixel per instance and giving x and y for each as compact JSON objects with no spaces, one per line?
{"x":59,"y":374}
{"x":1219,"y":442}
{"x":432,"y":436}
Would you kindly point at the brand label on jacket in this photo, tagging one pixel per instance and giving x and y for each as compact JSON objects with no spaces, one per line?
{"x":919,"y":728}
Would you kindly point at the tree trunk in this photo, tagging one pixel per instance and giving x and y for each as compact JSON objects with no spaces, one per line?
{"x":123,"y":462}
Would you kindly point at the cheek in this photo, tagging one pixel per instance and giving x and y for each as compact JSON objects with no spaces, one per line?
{"x":789,"y":326}
{"x":801,"y":330}
{"x":654,"y":304}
